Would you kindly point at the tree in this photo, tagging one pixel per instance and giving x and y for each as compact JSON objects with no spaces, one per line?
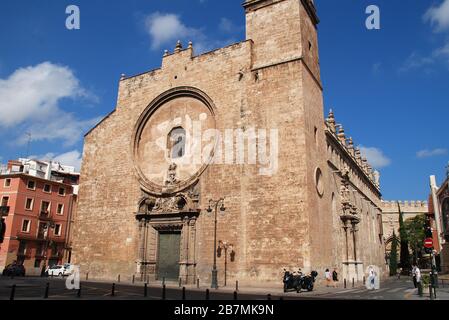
{"x":394,"y":256}
{"x":415,"y":230}
{"x":405,"y":254}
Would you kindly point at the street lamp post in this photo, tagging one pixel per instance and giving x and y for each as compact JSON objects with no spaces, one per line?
{"x":215,"y":204}
{"x":47,"y":228}
{"x":225,"y":246}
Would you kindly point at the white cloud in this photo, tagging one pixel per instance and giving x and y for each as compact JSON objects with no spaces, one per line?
{"x":167,"y":28}
{"x":431,"y":153}
{"x":63,"y":127}
{"x":376,"y":67}
{"x":228,"y":26}
{"x":30,"y":102}
{"x":71,"y":158}
{"x":442,"y":52}
{"x":375,"y":157}
{"x":415,"y":61}
{"x":438,"y":16}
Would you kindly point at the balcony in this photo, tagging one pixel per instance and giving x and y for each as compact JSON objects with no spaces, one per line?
{"x":45,"y":216}
{"x":4,"y":211}
{"x":41,"y":235}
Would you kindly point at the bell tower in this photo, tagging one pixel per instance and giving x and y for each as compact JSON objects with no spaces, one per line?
{"x":283,"y":31}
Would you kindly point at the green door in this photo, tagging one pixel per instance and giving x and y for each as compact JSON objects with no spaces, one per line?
{"x":168,"y":255}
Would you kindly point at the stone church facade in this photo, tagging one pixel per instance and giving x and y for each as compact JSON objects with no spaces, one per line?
{"x":144,"y":196}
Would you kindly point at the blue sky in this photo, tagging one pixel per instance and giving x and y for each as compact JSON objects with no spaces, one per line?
{"x":388,"y":87}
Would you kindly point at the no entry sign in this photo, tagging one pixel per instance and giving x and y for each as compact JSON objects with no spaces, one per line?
{"x":428,"y":243}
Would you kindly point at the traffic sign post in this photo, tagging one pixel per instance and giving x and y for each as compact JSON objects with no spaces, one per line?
{"x":428,"y":248}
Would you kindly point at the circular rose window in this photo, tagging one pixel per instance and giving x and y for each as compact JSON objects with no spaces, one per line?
{"x":174,"y":140}
{"x":319,"y":182}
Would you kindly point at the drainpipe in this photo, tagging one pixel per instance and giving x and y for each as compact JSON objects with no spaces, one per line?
{"x":69,"y":225}
{"x":436,"y":208}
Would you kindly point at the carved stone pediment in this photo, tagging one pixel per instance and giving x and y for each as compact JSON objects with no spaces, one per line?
{"x":186,"y":201}
{"x":349,"y":213}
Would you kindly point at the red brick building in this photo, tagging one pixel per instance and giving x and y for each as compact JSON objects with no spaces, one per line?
{"x":36,"y":214}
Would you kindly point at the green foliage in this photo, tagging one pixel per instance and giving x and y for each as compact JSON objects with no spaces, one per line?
{"x":405,"y":254}
{"x":425,"y":280}
{"x":415,"y":232}
{"x":394,"y":256}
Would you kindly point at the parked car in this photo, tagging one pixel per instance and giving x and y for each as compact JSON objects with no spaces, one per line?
{"x":60,"y":270}
{"x":14,"y":270}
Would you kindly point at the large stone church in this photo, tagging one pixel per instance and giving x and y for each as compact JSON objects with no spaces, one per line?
{"x":188,"y":142}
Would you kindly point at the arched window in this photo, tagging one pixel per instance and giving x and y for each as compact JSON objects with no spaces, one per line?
{"x":176,"y":142}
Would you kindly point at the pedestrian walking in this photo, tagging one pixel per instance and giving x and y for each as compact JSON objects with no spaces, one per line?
{"x":415,"y":283}
{"x":418,"y":280}
{"x":328,"y":277}
{"x":371,"y":283}
{"x":335,"y":278}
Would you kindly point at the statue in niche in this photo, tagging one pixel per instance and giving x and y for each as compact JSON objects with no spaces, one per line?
{"x":171,"y":175}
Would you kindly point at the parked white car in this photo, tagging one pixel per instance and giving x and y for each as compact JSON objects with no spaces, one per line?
{"x":61,"y":270}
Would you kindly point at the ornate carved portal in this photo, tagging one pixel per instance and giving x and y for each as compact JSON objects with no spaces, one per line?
{"x":350,"y":219}
{"x":167,"y":225}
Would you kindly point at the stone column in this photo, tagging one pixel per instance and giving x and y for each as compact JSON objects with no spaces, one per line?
{"x":354,"y":239}
{"x":191,"y":261}
{"x":142,"y":248}
{"x":183,"y":272}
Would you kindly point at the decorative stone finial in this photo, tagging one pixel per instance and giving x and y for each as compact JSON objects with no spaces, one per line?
{"x":358,"y":155}
{"x":122,"y":76}
{"x":190,"y":45}
{"x":341,"y":134}
{"x":351,"y":146}
{"x":331,"y":120}
{"x":165,"y":52}
{"x":178,"y":46}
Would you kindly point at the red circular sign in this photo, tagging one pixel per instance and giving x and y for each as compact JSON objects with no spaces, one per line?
{"x":428,"y":243}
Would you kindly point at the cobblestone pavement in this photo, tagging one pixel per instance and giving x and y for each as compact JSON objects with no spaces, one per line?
{"x":34,"y":289}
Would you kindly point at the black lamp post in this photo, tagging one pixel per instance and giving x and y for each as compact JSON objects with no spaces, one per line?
{"x":223,"y":245}
{"x":215,"y":204}
{"x":47,"y":229}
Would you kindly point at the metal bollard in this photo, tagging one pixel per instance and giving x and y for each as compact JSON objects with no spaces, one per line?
{"x":353,"y":285}
{"x":420,"y":289}
{"x":269,"y":297}
{"x":180,"y":282}
{"x":364,"y":280}
{"x":78,"y":294}
{"x":235,"y":295}
{"x":13,"y":292}
{"x":207,"y":294}
{"x":134,"y":277}
{"x":236,"y":286}
{"x":183,"y":293}
{"x":345,"y":283}
{"x":163,"y":280}
{"x":198,"y":283}
{"x":118,"y":279}
{"x":145,"y":290}
{"x":431,"y":291}
{"x":163,"y":292}
{"x":47,"y":288}
{"x":113,"y":290}
{"x":87,"y":276}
